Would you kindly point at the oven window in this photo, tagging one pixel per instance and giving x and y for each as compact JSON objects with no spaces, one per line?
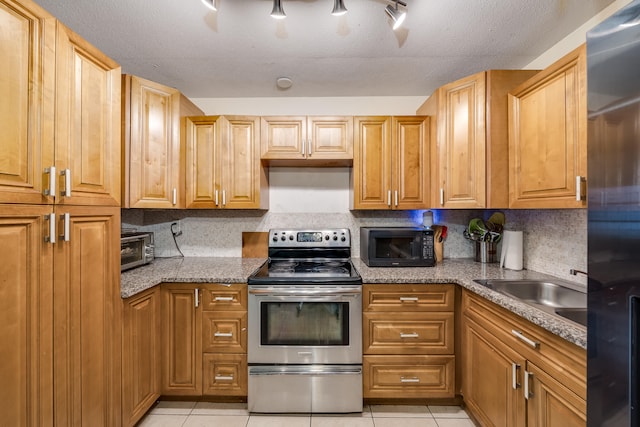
{"x":304,"y":323}
{"x":131,"y":251}
{"x":394,"y":247}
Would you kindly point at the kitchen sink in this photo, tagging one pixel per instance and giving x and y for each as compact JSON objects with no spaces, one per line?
{"x":552,"y":297}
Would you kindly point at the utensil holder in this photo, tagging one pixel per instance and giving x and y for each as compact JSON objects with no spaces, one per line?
{"x":486,"y":252}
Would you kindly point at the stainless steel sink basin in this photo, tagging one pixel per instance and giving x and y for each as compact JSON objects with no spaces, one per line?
{"x":552,"y":297}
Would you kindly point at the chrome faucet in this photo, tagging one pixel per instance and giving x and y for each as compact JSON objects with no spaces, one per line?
{"x":575,"y":272}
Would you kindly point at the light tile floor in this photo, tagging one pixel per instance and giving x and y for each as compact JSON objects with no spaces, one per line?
{"x":206,"y":414}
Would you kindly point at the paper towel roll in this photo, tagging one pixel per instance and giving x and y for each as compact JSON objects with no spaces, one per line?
{"x":511,"y":255}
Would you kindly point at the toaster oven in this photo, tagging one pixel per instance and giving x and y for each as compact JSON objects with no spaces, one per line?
{"x":136,"y":249}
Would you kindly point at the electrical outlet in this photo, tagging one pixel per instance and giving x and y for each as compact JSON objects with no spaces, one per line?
{"x":176,"y":228}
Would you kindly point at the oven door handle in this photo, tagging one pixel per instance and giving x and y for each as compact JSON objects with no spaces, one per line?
{"x":297,"y":292}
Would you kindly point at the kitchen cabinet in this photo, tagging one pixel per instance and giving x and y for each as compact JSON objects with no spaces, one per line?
{"x":141,"y":352}
{"x":391,"y":162}
{"x":223,"y":168}
{"x":408,"y":341}
{"x":517,"y":374}
{"x":548,"y":137}
{"x":300,"y":140}
{"x":153,"y":175}
{"x":60,"y":113}
{"x":471,"y":147}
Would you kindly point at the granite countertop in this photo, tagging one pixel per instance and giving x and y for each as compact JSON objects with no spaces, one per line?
{"x":458,"y":271}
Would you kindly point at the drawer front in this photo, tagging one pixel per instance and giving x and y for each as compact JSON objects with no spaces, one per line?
{"x":224,"y":332}
{"x":408,"y":297}
{"x":408,"y":333}
{"x":224,"y":297}
{"x":408,"y":376}
{"x":224,"y":374}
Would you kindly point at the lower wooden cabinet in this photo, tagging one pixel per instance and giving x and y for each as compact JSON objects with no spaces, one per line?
{"x":141,"y":354}
{"x":224,"y":374}
{"x":408,"y":341}
{"x":508,"y":382}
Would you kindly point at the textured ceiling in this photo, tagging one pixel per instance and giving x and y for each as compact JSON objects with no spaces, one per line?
{"x":239,"y":51}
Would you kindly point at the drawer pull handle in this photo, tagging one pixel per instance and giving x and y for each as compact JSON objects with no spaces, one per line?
{"x":527,"y":377}
{"x":524,"y":339}
{"x":409,"y":299}
{"x":514,"y":375}
{"x":224,"y":298}
{"x":409,"y":380}
{"x":411,"y":335}
{"x":223,"y":334}
{"x":223,"y":377}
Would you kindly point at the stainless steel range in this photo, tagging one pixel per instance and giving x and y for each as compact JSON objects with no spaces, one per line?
{"x":305,"y":325}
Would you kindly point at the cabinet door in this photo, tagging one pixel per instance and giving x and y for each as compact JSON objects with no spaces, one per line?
{"x":283,"y":137}
{"x":242,"y":176}
{"x":550,"y":403}
{"x":548,"y":136}
{"x":152,"y":144}
{"x":372,"y":163}
{"x":330,"y":138}
{"x":225,"y":374}
{"x":87,"y":319}
{"x":140,"y":355}
{"x":462,"y":143}
{"x":26,"y":316}
{"x":87,"y":123}
{"x":181,"y":341}
{"x":410,"y":162}
{"x":490,"y":389}
{"x":203,"y":162}
{"x":27,"y":43}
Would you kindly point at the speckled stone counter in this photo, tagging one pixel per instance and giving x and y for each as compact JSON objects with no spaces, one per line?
{"x":458,"y":271}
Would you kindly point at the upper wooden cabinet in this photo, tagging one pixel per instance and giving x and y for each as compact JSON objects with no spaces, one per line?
{"x":59,"y":112}
{"x":223,"y":167}
{"x":391,"y":162}
{"x":152,"y":173}
{"x":548,"y":137}
{"x":471,"y":143}
{"x":324,"y":140}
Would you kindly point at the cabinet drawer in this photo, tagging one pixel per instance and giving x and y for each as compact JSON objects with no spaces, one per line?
{"x":408,"y":333}
{"x":224,"y":332}
{"x":224,"y":374}
{"x":223,"y":297}
{"x":408,"y":376}
{"x":408,"y":297}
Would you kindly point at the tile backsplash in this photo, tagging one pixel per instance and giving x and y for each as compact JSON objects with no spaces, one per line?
{"x":555,"y":240}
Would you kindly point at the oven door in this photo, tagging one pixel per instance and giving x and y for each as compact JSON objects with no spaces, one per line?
{"x":305,"y":325}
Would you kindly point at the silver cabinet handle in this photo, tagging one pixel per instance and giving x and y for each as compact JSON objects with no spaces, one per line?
{"x":197,"y":297}
{"x":216,"y":197}
{"x":396,"y":197}
{"x":389,"y":198}
{"x":51,"y":238}
{"x":224,"y":197}
{"x":174,"y":197}
{"x":51,"y":191}
{"x":409,"y":380}
{"x":67,"y":182}
{"x":223,"y":334}
{"x":524,"y":339}
{"x":441,"y":196}
{"x":224,"y":298}
{"x":65,"y":226}
{"x":223,"y":378}
{"x":514,"y":375}
{"x":411,"y":335}
{"x":527,"y":393}
{"x":303,"y":147}
{"x":309,"y":142}
{"x":579,"y":181}
{"x":409,"y":299}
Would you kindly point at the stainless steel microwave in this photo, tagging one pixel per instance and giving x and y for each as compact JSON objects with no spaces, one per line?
{"x":136,"y":249}
{"x":397,"y":247}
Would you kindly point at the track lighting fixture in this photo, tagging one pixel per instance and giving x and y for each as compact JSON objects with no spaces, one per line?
{"x":338,"y":8}
{"x":211,"y":4}
{"x":278,"y":11}
{"x":396,"y":14}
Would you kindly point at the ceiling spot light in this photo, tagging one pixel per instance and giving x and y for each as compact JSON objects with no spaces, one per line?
{"x":211,"y":4}
{"x":338,"y":8}
{"x":278,"y":11}
{"x":284,"y":82}
{"x":396,"y":14}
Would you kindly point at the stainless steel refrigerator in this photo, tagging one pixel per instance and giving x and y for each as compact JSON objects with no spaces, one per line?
{"x":613,"y":75}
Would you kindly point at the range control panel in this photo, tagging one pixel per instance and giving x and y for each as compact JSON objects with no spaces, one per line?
{"x":329,"y":238}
